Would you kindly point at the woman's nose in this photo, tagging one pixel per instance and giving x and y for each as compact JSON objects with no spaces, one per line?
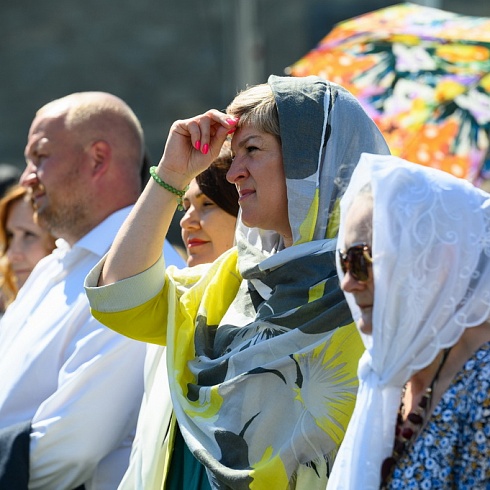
{"x":14,"y":252}
{"x":348,"y":283}
{"x":190,"y":219}
{"x":237,"y":171}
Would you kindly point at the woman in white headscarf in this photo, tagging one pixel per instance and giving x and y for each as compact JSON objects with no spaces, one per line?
{"x":261,"y":348}
{"x":415,"y":267}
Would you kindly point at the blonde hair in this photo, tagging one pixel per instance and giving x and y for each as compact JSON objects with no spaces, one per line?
{"x":8,"y":284}
{"x":256,"y":106}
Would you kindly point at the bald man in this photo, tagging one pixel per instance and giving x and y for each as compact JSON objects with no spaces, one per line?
{"x":70,"y":389}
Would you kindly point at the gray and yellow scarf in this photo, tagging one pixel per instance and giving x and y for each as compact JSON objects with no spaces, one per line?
{"x":276,"y":370}
{"x":262,"y":352}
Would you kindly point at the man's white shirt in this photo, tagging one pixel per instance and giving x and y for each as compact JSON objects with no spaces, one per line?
{"x":78,"y":382}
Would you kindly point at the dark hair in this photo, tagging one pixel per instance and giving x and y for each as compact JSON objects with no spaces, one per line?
{"x":213,"y":183}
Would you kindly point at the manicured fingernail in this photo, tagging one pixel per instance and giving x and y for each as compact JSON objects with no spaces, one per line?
{"x":231,"y":131}
{"x":233,"y":120}
{"x":197,"y":145}
{"x":205,"y":148}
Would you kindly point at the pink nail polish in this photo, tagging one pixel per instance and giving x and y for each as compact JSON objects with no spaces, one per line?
{"x":205,"y":148}
{"x":197,"y":145}
{"x":231,"y":131}
{"x":232,"y":120}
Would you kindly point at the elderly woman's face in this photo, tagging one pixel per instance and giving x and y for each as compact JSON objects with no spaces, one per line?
{"x":258,"y":173}
{"x":358,"y":226}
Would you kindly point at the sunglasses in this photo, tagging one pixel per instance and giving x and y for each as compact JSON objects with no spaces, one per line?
{"x":357,"y":260}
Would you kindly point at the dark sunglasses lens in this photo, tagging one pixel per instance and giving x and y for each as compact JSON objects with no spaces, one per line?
{"x":358,"y":265}
{"x":355,"y":261}
{"x":343,"y":261}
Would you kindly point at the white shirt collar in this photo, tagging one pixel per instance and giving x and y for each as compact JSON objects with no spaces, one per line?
{"x":94,"y":241}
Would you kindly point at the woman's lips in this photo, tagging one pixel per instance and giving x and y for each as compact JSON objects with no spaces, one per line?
{"x":195,"y":242}
{"x":245,"y":193}
{"x":21,"y":271}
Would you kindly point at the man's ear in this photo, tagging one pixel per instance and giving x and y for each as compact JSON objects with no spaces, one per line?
{"x":100,"y":151}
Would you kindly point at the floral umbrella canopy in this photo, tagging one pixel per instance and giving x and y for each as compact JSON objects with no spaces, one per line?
{"x":423,"y":75}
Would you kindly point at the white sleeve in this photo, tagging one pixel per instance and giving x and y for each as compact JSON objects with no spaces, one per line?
{"x":91,"y":416}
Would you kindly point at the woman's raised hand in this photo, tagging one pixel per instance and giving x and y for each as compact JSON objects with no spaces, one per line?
{"x":193,"y":144}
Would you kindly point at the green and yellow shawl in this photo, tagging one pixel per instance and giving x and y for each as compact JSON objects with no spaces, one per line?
{"x":262,"y":352}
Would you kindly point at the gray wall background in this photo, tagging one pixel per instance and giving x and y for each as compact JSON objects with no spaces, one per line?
{"x":167,"y":59}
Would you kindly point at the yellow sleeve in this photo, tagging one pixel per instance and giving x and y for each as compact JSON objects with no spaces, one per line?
{"x":141,"y":306}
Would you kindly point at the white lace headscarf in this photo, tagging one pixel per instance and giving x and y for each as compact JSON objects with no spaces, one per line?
{"x":431,"y":266}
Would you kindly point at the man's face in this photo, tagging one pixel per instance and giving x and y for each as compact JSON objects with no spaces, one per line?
{"x":56,"y":173}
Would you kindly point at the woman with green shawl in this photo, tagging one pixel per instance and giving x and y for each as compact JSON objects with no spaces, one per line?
{"x":262,"y":352}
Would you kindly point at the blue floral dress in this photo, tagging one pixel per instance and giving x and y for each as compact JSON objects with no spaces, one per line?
{"x":453,"y":451}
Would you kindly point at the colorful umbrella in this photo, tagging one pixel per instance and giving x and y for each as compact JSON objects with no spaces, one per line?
{"x":423,"y":75}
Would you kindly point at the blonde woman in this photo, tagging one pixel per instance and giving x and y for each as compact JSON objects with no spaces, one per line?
{"x":23,"y":242}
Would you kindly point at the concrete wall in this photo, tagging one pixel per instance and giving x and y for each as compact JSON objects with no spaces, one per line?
{"x":167,"y":59}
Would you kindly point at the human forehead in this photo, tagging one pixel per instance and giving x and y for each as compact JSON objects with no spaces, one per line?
{"x":358,"y":222}
{"x":21,"y":214}
{"x":246,"y":134}
{"x":194,"y":190}
{"x":45,"y":131}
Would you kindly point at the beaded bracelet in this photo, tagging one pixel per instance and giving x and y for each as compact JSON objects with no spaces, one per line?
{"x":173,"y":190}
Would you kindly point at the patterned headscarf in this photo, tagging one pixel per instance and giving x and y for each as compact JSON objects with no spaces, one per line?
{"x":431,"y":266}
{"x":324,"y":130}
